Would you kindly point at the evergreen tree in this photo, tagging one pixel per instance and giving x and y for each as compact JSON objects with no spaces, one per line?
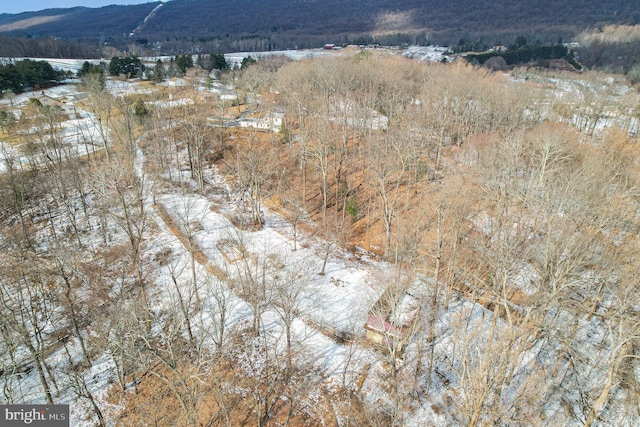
{"x":184,"y":62}
{"x":89,"y":68}
{"x":129,"y":66}
{"x":28,"y":74}
{"x":140,"y":109}
{"x":219,"y":62}
{"x":158,"y":72}
{"x":246,"y":61}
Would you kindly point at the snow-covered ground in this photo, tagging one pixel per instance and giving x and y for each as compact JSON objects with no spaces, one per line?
{"x":596,"y":101}
{"x":78,"y":134}
{"x":234,"y":58}
{"x":339,"y":301}
{"x":428,"y":53}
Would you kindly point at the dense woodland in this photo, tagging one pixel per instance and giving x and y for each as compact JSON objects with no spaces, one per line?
{"x":507,"y":207}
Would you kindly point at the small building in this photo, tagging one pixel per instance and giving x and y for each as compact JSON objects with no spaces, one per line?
{"x":392,"y":319}
{"x":228,"y":96}
{"x":48,"y":101}
{"x":371,"y":119}
{"x":329,"y":46}
{"x":177,"y":82}
{"x":225,"y":93}
{"x":269,"y":122}
{"x":383,"y":333}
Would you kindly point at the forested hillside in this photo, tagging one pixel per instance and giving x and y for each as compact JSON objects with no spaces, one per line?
{"x":360,"y":239}
{"x":81,"y":23}
{"x":310,"y":23}
{"x":216,"y":25}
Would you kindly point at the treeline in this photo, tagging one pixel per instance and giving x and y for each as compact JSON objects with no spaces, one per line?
{"x":132,"y":66}
{"x":613,"y":48}
{"x":520,"y":53}
{"x":28,"y":74}
{"x":617,"y":57}
{"x":46,"y":48}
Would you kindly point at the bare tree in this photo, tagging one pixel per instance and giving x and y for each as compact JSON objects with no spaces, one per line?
{"x":72,"y":299}
{"x":388,"y":171}
{"x":100,"y":104}
{"x":190,"y":214}
{"x":169,"y":358}
{"x":289,"y":298}
{"x":193,"y":130}
{"x":252,"y":279}
{"x":51,"y":152}
{"x":120,"y":195}
{"x":78,"y":384}
{"x":392,"y":327}
{"x":216,"y":315}
{"x":184,"y":297}
{"x":328,"y":243}
{"x":252,"y":168}
{"x":293,"y":202}
{"x":28,"y":307}
{"x":318,"y":153}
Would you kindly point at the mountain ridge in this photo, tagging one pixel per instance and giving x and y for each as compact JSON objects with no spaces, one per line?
{"x":284,"y":24}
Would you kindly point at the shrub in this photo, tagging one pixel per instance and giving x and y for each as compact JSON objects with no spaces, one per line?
{"x":634,"y":75}
{"x":353,"y":210}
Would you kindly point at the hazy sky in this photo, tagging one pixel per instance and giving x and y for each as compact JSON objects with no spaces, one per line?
{"x":17,"y":6}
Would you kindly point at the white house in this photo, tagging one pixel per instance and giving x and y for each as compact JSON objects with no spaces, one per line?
{"x":228,"y":96}
{"x":270,"y":122}
{"x":176,"y":82}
